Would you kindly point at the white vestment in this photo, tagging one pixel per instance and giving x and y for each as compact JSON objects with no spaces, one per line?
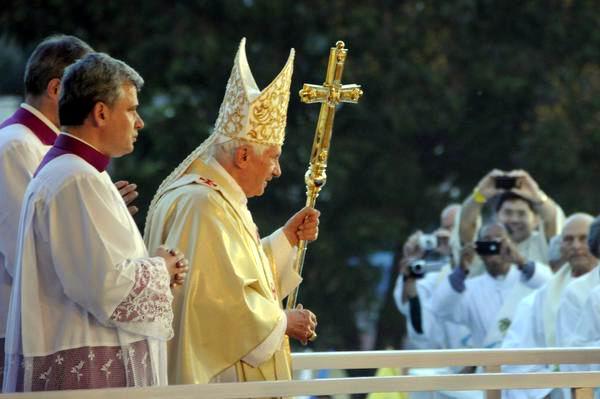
{"x":587,"y":330}
{"x":195,"y":215}
{"x":570,"y":309}
{"x":534,"y":326}
{"x":20,"y":154}
{"x":437,"y":333}
{"x":83,"y":281}
{"x":571,"y":305}
{"x":487,"y":304}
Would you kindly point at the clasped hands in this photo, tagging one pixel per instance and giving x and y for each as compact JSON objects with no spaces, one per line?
{"x":176,"y":263}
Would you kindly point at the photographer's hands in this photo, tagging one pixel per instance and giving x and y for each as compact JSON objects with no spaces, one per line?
{"x":510,"y":253}
{"x":527,"y":187}
{"x":487,"y":186}
{"x":467,"y":254}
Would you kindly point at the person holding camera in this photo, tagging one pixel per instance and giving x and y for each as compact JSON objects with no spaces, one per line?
{"x":530,"y":217}
{"x":486,"y":303}
{"x":425,"y":262}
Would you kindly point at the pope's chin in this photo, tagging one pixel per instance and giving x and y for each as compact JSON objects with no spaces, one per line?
{"x":258,"y":192}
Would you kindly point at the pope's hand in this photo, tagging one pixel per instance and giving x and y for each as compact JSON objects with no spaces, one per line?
{"x":301,"y":324}
{"x":129,"y":194}
{"x":177,"y":264}
{"x":304,"y":225}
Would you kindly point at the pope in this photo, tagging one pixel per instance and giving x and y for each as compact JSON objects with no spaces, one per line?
{"x":229,"y":321}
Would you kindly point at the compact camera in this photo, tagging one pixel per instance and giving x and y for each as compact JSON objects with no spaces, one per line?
{"x":420,"y":267}
{"x":431,"y":261}
{"x":486,"y":248}
{"x":505,"y":182}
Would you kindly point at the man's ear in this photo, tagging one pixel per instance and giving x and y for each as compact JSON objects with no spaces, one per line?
{"x":100,"y":114}
{"x":52,"y":88}
{"x":241,"y":156}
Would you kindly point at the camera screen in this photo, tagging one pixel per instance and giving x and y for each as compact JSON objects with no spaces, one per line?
{"x":505,"y":182}
{"x":487,"y":247}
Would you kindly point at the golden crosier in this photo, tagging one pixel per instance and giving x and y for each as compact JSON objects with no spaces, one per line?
{"x":330,"y":94}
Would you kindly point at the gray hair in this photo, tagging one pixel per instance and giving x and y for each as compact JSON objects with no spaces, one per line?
{"x":95,"y":78}
{"x":49,"y":60}
{"x":594,"y":237}
{"x":229,"y":147}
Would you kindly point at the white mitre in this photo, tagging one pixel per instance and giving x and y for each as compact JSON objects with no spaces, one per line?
{"x":246,"y":113}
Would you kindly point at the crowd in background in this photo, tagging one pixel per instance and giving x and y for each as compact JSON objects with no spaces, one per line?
{"x":505,"y":269}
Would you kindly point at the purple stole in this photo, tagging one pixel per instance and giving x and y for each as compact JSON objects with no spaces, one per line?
{"x":68,"y":145}
{"x":35,"y":124}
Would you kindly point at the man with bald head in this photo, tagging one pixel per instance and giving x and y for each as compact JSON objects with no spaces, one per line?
{"x":534,"y":324}
{"x":486,"y":303}
{"x":577,"y":292}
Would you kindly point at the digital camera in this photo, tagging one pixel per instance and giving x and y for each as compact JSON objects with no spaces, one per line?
{"x":432,"y":260}
{"x":420,"y":267}
{"x":487,"y":248}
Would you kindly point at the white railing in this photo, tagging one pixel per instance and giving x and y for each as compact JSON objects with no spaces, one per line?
{"x":490,"y":381}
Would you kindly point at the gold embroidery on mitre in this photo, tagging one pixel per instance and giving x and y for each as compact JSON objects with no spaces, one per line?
{"x":247,"y":113}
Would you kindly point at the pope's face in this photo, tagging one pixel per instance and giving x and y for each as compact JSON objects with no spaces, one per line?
{"x":261,"y":169}
{"x":123,"y":123}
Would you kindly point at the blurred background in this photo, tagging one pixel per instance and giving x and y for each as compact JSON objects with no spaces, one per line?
{"x":453,"y":89}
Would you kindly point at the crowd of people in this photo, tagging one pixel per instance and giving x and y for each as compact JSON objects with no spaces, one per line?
{"x":83,"y":303}
{"x":518,"y":276}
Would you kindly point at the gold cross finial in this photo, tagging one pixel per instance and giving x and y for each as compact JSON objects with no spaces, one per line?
{"x":332,"y":92}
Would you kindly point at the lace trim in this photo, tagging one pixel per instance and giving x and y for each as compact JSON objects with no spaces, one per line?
{"x":147,"y":309}
{"x":83,"y":368}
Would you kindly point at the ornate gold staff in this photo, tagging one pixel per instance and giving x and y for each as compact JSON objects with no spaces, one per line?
{"x":330,"y":94}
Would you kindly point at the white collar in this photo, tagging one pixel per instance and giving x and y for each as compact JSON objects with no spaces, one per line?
{"x":41,"y":117}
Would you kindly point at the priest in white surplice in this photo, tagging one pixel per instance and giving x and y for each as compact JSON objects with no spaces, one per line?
{"x":573,"y":300}
{"x":486,"y":303}
{"x":534,"y":324}
{"x":83,"y":278}
{"x":412,"y":294}
{"x":25,"y":137}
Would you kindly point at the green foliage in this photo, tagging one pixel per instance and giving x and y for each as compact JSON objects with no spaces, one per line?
{"x":12,"y":59}
{"x":452,"y":90}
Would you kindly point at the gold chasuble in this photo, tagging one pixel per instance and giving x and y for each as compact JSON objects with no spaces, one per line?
{"x":229,"y":323}
{"x":229,"y":303}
